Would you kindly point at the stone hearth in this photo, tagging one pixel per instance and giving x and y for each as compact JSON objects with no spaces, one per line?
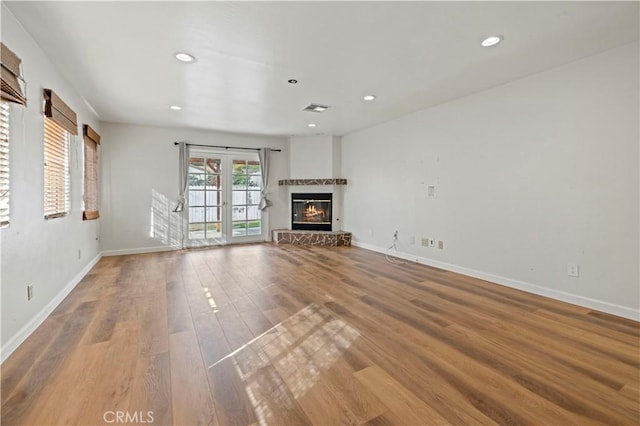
{"x":312,"y":238}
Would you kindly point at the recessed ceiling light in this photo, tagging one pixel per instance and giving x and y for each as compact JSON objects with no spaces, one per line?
{"x":185,"y":57}
{"x":292,"y":81}
{"x":320,"y":108}
{"x":369,"y":97}
{"x":311,"y":125}
{"x":175,"y":107}
{"x":491,"y":41}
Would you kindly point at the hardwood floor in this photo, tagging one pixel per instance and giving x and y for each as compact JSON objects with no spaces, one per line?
{"x":288,"y":335}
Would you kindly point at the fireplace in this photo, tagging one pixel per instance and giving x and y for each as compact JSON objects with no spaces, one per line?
{"x":311,"y":211}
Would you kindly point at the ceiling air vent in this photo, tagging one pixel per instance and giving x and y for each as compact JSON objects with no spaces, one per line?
{"x":316,"y":108}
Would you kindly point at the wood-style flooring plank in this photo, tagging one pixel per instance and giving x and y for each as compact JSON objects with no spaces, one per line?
{"x":191,"y":401}
{"x":151,"y":389}
{"x":230,"y":393}
{"x":113,"y":387}
{"x":400,"y":405}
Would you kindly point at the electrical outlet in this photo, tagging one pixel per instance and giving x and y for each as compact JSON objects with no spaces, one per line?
{"x":441,"y":244}
{"x":29,"y":291}
{"x":432,"y":242}
{"x":395,"y":234}
{"x":425,"y":242}
{"x":573,"y":269}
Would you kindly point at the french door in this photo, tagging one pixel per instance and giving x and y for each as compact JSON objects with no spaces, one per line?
{"x":224,"y":193}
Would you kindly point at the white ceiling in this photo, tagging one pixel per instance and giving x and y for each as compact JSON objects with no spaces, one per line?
{"x":411,"y":55}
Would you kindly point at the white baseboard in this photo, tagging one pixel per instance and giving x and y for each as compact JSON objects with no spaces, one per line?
{"x":138,"y":250}
{"x":586,"y":302}
{"x":17,"y":339}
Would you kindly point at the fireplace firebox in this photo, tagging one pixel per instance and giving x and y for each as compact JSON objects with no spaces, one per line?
{"x":311,"y":212}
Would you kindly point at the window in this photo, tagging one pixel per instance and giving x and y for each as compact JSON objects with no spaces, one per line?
{"x":56,"y":170}
{"x":59,"y":124}
{"x":91,"y":142}
{"x":4,"y":164}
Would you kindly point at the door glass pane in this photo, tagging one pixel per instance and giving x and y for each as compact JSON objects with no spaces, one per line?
{"x":253,"y":213}
{"x":214,"y":230}
{"x":255,"y":182}
{"x":196,"y":231}
{"x":196,"y":198}
{"x":239,"y":197}
{"x":213,"y":182}
{"x":239,"y":167}
{"x":196,"y":165}
{"x":196,"y":214}
{"x":240,"y":182}
{"x":214,"y":198}
{"x":239,"y":212}
{"x":213,"y":165}
{"x":196,"y":181}
{"x":213,"y":214}
{"x":254,"y":228}
{"x":253,"y":197}
{"x":253,"y":167}
{"x":239,"y":228}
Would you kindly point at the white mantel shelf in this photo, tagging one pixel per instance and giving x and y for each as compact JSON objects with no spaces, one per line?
{"x":330,"y":181}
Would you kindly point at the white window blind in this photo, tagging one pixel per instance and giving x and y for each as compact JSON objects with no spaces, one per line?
{"x":4,"y":164}
{"x":56,"y":170}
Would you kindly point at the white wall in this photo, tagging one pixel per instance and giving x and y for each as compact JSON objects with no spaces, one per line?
{"x":35,"y":251}
{"x":336,"y":154}
{"x":530,"y":176}
{"x":318,"y":157}
{"x":140,"y":161}
{"x":311,"y":157}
